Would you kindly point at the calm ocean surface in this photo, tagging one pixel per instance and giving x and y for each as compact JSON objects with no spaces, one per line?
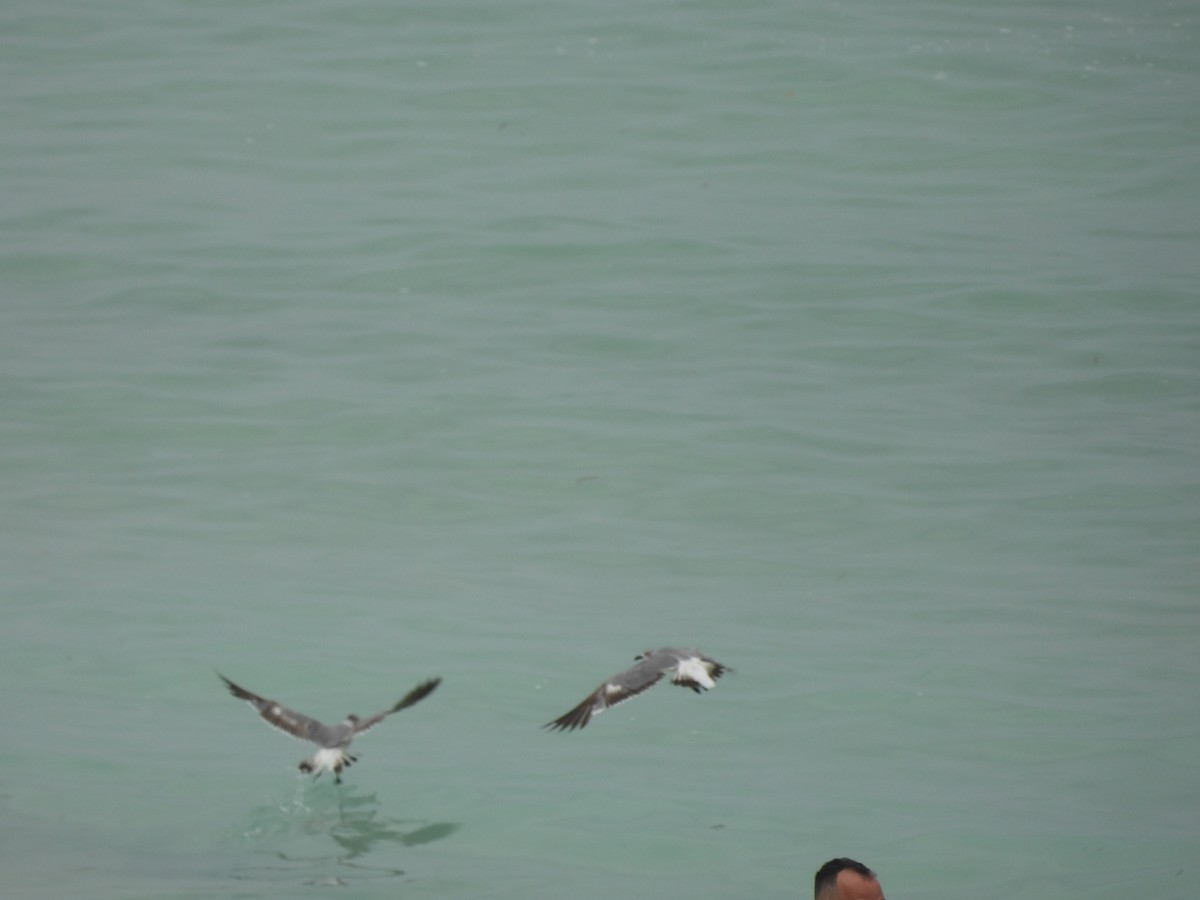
{"x":344,"y":344}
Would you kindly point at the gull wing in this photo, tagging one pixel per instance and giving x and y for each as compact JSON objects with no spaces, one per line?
{"x":617,"y":689}
{"x":278,"y":716}
{"x":416,"y":695}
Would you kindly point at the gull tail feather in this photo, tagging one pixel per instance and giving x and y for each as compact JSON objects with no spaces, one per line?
{"x":331,"y":759}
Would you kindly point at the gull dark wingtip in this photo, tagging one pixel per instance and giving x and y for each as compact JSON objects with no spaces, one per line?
{"x":417,"y":694}
{"x":566,"y":723}
{"x":573,"y":718}
{"x":240,"y":692}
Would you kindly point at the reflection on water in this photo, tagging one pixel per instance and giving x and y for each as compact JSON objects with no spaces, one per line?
{"x":347,"y":816}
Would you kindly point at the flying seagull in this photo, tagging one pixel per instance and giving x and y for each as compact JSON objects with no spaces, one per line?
{"x":332,"y":739}
{"x":688,"y":668}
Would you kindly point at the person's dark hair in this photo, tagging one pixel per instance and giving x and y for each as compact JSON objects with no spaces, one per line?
{"x":826,"y":877}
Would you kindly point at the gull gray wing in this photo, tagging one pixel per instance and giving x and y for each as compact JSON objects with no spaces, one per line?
{"x":620,"y":687}
{"x":416,"y":695}
{"x":278,"y":716}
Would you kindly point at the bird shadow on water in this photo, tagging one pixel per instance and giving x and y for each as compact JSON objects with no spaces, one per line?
{"x":297,"y":830}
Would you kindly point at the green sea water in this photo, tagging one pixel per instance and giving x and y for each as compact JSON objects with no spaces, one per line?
{"x":348,"y":344}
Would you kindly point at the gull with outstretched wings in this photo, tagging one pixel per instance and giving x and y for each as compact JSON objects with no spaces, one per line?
{"x":688,"y":668}
{"x":333,"y":740}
